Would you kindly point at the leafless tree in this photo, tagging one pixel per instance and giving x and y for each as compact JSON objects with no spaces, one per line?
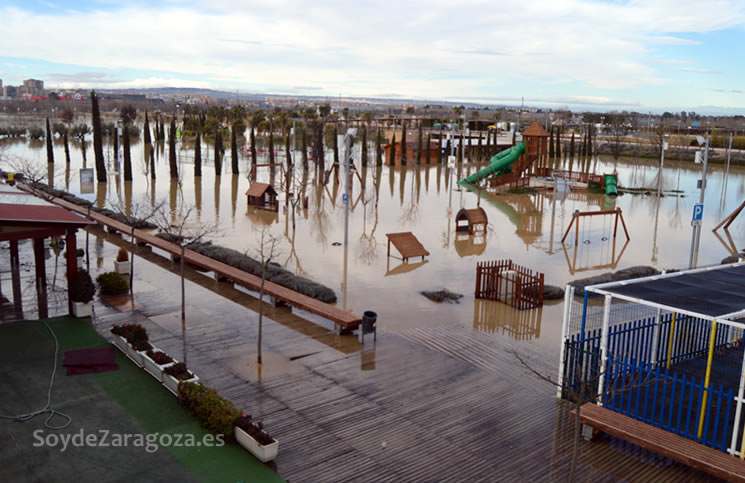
{"x":182,"y":229}
{"x":267,"y":250}
{"x":617,"y":130}
{"x":138,"y":216}
{"x":583,"y":392}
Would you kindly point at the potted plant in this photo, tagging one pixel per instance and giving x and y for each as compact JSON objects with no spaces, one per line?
{"x":176,"y":373}
{"x":132,"y":339}
{"x":80,"y":253}
{"x":254,"y":439}
{"x":121,"y":265}
{"x":112,"y":283}
{"x":215,"y":413}
{"x":155,"y":361}
{"x":81,"y":293}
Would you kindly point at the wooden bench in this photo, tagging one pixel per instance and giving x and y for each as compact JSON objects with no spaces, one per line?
{"x":343,"y":319}
{"x":678,"y":448}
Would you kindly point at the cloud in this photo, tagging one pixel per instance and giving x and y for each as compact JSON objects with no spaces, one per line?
{"x":433,"y":49}
{"x":81,"y":77}
{"x":697,"y":69}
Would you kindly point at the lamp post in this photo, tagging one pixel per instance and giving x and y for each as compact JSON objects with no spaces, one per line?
{"x":696,"y":232}
{"x":665,"y":146}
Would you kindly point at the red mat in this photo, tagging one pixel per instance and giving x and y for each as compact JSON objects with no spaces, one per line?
{"x":89,"y":361}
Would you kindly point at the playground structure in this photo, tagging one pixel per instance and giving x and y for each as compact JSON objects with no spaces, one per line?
{"x":666,"y":351}
{"x":262,"y":196}
{"x":509,"y":283}
{"x":473,"y":218}
{"x":727,"y":221}
{"x":580,"y":214}
{"x":407,"y":245}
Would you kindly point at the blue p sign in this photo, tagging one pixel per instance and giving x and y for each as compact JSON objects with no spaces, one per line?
{"x":698,"y":213}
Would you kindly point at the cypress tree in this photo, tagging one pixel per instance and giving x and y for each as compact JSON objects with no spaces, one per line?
{"x":419,"y":145}
{"x":460,"y":149}
{"x":127,"y":156}
{"x":392,"y":151}
{"x":198,"y":154}
{"x":429,"y":147}
{"x":488,"y":144}
{"x":336,"y":148}
{"x":378,"y":148}
{"x":403,"y":143}
{"x":288,"y":150}
{"x":152,"y":162}
{"x":304,"y":143}
{"x":234,"y":150}
{"x":147,"y":130}
{"x":50,"y":150}
{"x":271,"y":143}
{"x":558,"y":142}
{"x":97,"y":140}
{"x":162,"y":130}
{"x":67,"y":146}
{"x":172,"y":149}
{"x":253,"y":145}
{"x":364,"y":146}
{"x":589,"y":140}
{"x":218,"y":154}
{"x":479,"y":152}
{"x":448,"y":147}
{"x":571,"y":147}
{"x":551,"y":143}
{"x":439,"y":148}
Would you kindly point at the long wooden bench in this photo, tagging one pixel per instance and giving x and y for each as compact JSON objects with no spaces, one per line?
{"x":678,"y":448}
{"x":343,"y":319}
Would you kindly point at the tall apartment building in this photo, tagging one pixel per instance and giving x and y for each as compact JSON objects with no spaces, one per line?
{"x":9,"y":91}
{"x":31,"y":87}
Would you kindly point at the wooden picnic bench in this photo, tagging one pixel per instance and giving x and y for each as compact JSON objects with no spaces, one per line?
{"x":678,"y":448}
{"x":343,"y":319}
{"x":406,"y":244}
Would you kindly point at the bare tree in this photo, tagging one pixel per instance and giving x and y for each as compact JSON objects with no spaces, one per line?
{"x":180,"y":228}
{"x":138,"y":216}
{"x":617,"y":133}
{"x":584,"y":391}
{"x":267,"y":250}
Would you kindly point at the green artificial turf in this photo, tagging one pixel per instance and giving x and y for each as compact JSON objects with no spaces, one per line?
{"x":156,"y":410}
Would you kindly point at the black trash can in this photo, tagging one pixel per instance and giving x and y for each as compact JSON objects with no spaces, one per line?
{"x":368,"y":321}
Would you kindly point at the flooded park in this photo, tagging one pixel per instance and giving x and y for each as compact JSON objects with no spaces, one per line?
{"x":440,"y":375}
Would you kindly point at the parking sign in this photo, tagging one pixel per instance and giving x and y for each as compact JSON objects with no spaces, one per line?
{"x":698,"y":214}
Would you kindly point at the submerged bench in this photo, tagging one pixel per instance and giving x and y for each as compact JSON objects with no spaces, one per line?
{"x":345,"y":321}
{"x":677,"y":448}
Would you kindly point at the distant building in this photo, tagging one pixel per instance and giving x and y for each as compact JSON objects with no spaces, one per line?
{"x":30,"y":88}
{"x":9,"y":91}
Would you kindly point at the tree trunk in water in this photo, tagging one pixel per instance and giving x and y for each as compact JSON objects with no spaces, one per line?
{"x":152,"y":161}
{"x":198,"y":154}
{"x":127,"y":156}
{"x":403,"y":143}
{"x":364,"y":146}
{"x":378,"y":148}
{"x":288,"y":153}
{"x":67,"y":148}
{"x":50,"y":150}
{"x":305,"y":149}
{"x":172,"y":150}
{"x":218,"y":157}
{"x":146,"y":129}
{"x":97,"y":140}
{"x":234,"y":151}
{"x":392,"y":151}
{"x":253,"y":148}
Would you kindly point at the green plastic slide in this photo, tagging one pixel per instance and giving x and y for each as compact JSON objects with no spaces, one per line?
{"x":499,"y":164}
{"x":610,"y":184}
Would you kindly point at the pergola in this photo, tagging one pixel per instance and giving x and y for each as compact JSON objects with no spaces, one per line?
{"x":24,"y":216}
{"x":667,"y":350}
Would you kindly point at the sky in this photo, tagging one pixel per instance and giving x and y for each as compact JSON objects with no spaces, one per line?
{"x":641,"y":55}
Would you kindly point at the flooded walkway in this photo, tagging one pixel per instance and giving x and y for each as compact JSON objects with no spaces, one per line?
{"x":440,"y":403}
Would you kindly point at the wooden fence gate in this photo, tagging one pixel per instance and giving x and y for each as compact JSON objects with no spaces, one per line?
{"x":507,"y":282}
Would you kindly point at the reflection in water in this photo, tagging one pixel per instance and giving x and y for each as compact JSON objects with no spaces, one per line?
{"x":198,"y":194}
{"x":603,"y":258}
{"x":470,"y":245}
{"x":490,"y":316}
{"x":367,"y":359}
{"x":233,"y":195}
{"x":173,"y":198}
{"x":128,"y":198}
{"x":101,"y":194}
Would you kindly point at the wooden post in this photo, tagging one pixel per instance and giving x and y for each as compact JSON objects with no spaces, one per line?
{"x":15,"y":273}
{"x":615,"y":227}
{"x":72,"y":263}
{"x":623,"y":223}
{"x":41,"y":278}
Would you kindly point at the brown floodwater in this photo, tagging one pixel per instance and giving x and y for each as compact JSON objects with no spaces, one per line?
{"x":525,"y":228}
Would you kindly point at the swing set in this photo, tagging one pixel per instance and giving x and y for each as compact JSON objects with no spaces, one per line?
{"x":581,"y":214}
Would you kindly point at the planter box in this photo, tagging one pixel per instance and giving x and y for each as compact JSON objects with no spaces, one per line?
{"x":121,"y":267}
{"x":124,"y":346}
{"x":262,"y":453}
{"x":152,"y":368}
{"x":171,"y":383}
{"x":80,"y":309}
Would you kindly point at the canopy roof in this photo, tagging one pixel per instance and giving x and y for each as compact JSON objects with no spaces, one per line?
{"x":711,"y":293}
{"x":20,"y":209}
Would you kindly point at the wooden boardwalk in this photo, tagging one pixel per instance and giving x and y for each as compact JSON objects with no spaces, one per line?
{"x":343,"y":319}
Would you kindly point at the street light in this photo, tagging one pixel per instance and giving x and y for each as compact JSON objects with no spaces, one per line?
{"x":696,"y":223}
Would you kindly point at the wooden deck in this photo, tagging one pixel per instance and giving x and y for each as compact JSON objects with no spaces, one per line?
{"x":671,"y":445}
{"x":407,"y":245}
{"x":343,"y":319}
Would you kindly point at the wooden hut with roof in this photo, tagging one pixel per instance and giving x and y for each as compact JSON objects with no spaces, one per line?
{"x":536,"y":147}
{"x":472,"y":218}
{"x":263,"y":196}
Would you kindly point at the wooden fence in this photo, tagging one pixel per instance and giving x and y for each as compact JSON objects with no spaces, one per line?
{"x":507,"y":282}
